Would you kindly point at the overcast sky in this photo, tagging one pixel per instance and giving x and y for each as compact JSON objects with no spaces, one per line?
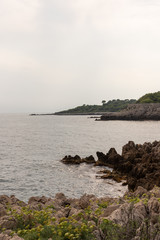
{"x":57,"y":54}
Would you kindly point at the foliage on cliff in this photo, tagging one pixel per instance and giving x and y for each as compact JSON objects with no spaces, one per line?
{"x":150,"y":98}
{"x":110,"y":106}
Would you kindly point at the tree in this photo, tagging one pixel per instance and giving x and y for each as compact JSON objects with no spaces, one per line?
{"x":103,"y":102}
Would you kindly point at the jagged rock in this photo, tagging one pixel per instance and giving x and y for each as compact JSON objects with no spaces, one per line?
{"x":112,"y":175}
{"x":108,"y":211}
{"x":140,"y":192}
{"x":42,"y":200}
{"x":89,"y":159}
{"x":102,"y":159}
{"x":84,"y":201}
{"x":154,"y":205}
{"x":61,"y":200}
{"x":110,"y":159}
{"x":72,"y":160}
{"x":77,"y":160}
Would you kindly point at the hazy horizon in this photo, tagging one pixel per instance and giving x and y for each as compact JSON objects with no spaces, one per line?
{"x":59,"y":54}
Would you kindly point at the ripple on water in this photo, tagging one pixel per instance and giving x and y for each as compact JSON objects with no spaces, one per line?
{"x":31,"y":148}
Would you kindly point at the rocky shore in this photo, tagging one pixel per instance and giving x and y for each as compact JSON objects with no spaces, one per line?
{"x":138,"y":165}
{"x":134,"y":216}
{"x":136,"y":112}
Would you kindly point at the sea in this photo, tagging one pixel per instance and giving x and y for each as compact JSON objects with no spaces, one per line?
{"x":31,"y":148}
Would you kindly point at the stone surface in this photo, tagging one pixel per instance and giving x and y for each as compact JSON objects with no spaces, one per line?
{"x":140,"y":208}
{"x":136,"y":112}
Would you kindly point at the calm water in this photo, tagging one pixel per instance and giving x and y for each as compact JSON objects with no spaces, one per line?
{"x":31,"y":147}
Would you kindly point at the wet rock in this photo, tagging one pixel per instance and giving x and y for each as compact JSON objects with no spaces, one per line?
{"x":117,"y":177}
{"x":102,"y":159}
{"x":72,"y":160}
{"x":89,"y":159}
{"x":139,"y":164}
{"x":77,"y":160}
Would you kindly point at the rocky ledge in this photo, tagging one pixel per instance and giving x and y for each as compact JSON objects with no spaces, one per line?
{"x":136,"y":112}
{"x":134,"y":216}
{"x":138,"y":165}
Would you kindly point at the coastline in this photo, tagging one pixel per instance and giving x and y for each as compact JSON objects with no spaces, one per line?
{"x":136,"y":112}
{"x":134,"y":216}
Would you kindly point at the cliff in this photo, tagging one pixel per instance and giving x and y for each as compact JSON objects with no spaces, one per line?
{"x":145,"y":111}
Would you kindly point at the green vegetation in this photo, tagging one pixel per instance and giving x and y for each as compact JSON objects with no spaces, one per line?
{"x":110,"y":106}
{"x":42,"y":224}
{"x":150,"y":98}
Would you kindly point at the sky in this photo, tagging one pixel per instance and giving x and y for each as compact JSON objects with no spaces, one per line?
{"x":59,"y":54}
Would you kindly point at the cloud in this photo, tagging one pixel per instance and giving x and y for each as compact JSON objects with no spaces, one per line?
{"x":59,"y":51}
{"x":18,"y":15}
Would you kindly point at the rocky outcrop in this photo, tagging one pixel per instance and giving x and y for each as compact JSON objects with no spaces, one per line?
{"x":136,"y":112}
{"x":133,"y":216}
{"x":77,"y":160}
{"x":139,"y":164}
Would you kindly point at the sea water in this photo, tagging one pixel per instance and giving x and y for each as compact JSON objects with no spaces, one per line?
{"x":31,"y":148}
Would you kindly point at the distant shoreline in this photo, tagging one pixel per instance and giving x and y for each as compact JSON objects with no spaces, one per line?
{"x":66,"y":114}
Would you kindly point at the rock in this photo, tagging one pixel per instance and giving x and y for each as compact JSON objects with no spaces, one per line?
{"x":77,"y":160}
{"x":113,"y":157}
{"x":36,"y":200}
{"x":97,"y":235}
{"x":75,"y":211}
{"x":84,"y":201}
{"x":16,"y":238}
{"x":2,"y":210}
{"x":139,"y":164}
{"x":113,"y":175}
{"x":8,"y":222}
{"x":136,"y":112}
{"x":139,"y":212}
{"x":154,"y":205}
{"x":4,"y":236}
{"x":5,"y":200}
{"x":127,"y":212}
{"x":108,"y":211}
{"x":140,"y":192}
{"x":102,"y":159}
{"x":72,"y":160}
{"x":89,"y":159}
